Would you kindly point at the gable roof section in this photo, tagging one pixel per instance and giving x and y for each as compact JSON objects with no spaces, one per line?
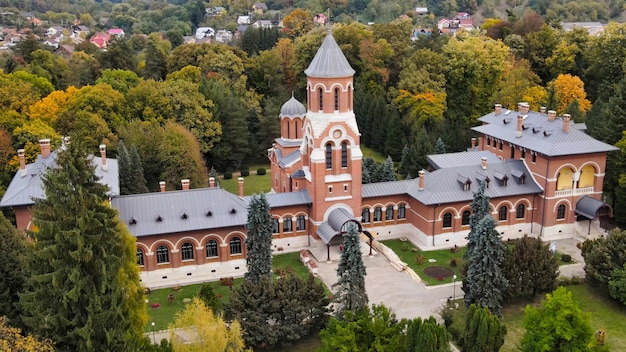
{"x":390,"y":188}
{"x":329,"y":61}
{"x":545,"y":137}
{"x":23,"y":190}
{"x":473,"y":157}
{"x":180,"y":211}
{"x":287,"y":160}
{"x":285,"y":199}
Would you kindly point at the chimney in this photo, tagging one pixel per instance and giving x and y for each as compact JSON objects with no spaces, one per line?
{"x":483,"y":163}
{"x":566,"y":118}
{"x":211,"y":182}
{"x":103,"y":156}
{"x":44,"y":145}
{"x":20,"y":154}
{"x":551,"y":115}
{"x":240,"y":179}
{"x":162,"y":186}
{"x":542,"y":110}
{"x":520,"y":122}
{"x":498,"y":109}
{"x":185,"y":184}
{"x":523,"y":107}
{"x":473,"y":142}
{"x":422,"y":175}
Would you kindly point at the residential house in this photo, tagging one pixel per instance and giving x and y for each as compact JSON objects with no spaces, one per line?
{"x":223,"y":36}
{"x":202,"y":32}
{"x":320,"y":19}
{"x":593,"y":28}
{"x":244,"y":20}
{"x":420,"y":11}
{"x":117,"y":32}
{"x":100,"y":40}
{"x":55,"y":30}
{"x":258,"y":8}
{"x":262,"y":24}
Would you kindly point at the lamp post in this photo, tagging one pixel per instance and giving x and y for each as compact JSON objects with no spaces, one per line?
{"x":454,"y":289}
{"x":153,"y":337}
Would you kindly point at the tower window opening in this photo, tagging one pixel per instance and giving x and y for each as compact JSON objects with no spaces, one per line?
{"x":321,"y":98}
{"x":336,"y":98}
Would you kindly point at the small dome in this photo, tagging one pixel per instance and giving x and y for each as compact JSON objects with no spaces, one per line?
{"x":292,"y":108}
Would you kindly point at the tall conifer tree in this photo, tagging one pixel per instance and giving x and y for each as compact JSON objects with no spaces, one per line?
{"x":259,"y":241}
{"x":83,"y":291}
{"x":350,"y":291}
{"x":388,"y":171}
{"x":480,"y":208}
{"x":12,"y":275}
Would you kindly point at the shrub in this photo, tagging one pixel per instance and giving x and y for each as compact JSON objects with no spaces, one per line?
{"x":405,"y":247}
{"x":453,"y":262}
{"x":567,"y":281}
{"x":261,"y":171}
{"x":420,"y":259}
{"x":228,"y":175}
{"x":566,"y":258}
{"x":245,"y":172}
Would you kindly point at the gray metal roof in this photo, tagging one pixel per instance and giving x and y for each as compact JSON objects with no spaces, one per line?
{"x":180,"y":211}
{"x":382,"y":189}
{"x":471,"y":157}
{"x":541,"y":135}
{"x":326,"y":232}
{"x":292,"y":108}
{"x":298,"y":174}
{"x":288,"y":198}
{"x":442,"y":186}
{"x":331,"y":228}
{"x":287,"y":160}
{"x":289,"y":142}
{"x":22,"y":190}
{"x":588,"y":207}
{"x":329,"y":61}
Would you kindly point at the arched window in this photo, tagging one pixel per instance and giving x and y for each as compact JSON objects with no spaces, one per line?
{"x":235,"y":245}
{"x":296,"y":124}
{"x":344,"y":154}
{"x":560,"y":212}
{"x":329,"y":156}
{"x":187,"y":251}
{"x":447,"y":220}
{"x":211,"y":248}
{"x":502,"y":213}
{"x":163,"y":254}
{"x":389,"y":213}
{"x":365,"y":215}
{"x":287,"y":224}
{"x":378,"y":214}
{"x":520,"y":212}
{"x":402,"y":211}
{"x":275,"y":229}
{"x":140,"y":257}
{"x":321,"y":97}
{"x":300,"y":223}
{"x":336,"y":98}
{"x":465,"y":218}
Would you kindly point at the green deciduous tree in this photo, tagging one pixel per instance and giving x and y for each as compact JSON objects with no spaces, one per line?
{"x":558,"y":325}
{"x":350,"y":294}
{"x":259,"y":240}
{"x":83,"y":291}
{"x":12,"y":272}
{"x":603,"y":256}
{"x":530,"y":267}
{"x":485,"y":284}
{"x":484,"y":332}
{"x":12,"y":340}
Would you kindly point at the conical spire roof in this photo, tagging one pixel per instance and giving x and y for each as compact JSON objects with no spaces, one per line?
{"x":292,"y":108}
{"x":329,"y":61}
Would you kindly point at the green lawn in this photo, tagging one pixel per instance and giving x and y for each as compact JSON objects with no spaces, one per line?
{"x":408,"y":253}
{"x":252,"y":184}
{"x":369,"y":152}
{"x":166,"y":311}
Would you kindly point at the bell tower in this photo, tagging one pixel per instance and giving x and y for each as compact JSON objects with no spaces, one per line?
{"x":331,"y":153}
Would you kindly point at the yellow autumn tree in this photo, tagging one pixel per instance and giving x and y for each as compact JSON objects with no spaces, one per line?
{"x":196,"y":328}
{"x":49,"y":108}
{"x":422,"y":108}
{"x":568,"y":88}
{"x":12,"y":340}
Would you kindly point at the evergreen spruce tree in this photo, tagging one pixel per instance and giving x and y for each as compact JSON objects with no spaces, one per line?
{"x":485,"y":283}
{"x":251,"y":303}
{"x":350,"y":293}
{"x":480,"y":208}
{"x":138,"y":184}
{"x":440,"y":146}
{"x":426,"y":335}
{"x":12,"y":274}
{"x":530,"y":268}
{"x":388,"y":171}
{"x":395,"y":137}
{"x":259,"y":241}
{"x":483,"y":331}
{"x":83,"y":290}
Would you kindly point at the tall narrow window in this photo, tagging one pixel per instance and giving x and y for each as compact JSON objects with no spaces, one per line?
{"x":447,"y":220}
{"x":329,"y":156}
{"x":336,"y":98}
{"x":465,"y":218}
{"x":534,"y":157}
{"x":365,"y":215}
{"x":378,"y":214}
{"x":502,"y":213}
{"x":520,"y":213}
{"x":296,"y":123}
{"x":500,"y":145}
{"x":389,"y":213}
{"x":560,"y":212}
{"x":139,"y":257}
{"x":163,"y":254}
{"x":300,"y":223}
{"x":344,"y":154}
{"x":287,"y":224}
{"x":187,"y":251}
{"x":275,"y":229}
{"x":211,"y":248}
{"x":401,"y":211}
{"x":523,"y":153}
{"x":512,"y":152}
{"x":235,"y":246}
{"x":321,"y":97}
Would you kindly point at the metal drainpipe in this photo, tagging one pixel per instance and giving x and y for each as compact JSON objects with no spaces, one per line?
{"x":545,"y":187}
{"x":434,"y":216}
